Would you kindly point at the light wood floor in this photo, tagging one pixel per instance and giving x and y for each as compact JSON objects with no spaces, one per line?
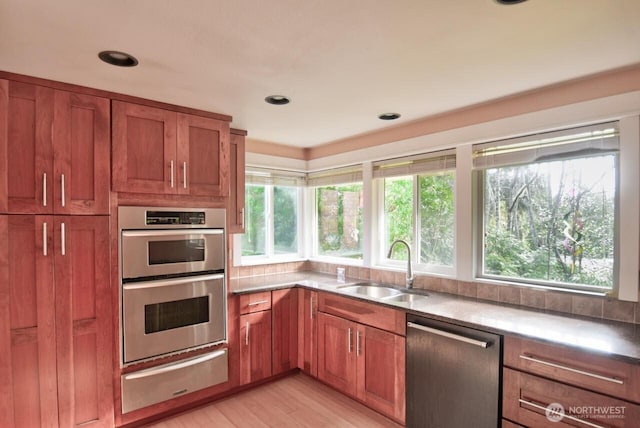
{"x":295,"y":401}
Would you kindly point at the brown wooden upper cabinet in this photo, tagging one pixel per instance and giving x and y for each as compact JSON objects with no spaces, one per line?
{"x":159,"y":151}
{"x":54,"y":151}
{"x":237,"y":182}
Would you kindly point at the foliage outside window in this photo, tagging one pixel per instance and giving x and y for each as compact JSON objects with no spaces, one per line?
{"x":432,"y":226}
{"x":271,"y":222}
{"x":339,"y":220}
{"x":552,"y":221}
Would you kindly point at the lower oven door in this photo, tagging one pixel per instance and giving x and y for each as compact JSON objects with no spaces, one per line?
{"x":170,"y":315}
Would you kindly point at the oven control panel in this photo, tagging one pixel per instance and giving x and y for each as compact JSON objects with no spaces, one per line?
{"x":174,"y":217}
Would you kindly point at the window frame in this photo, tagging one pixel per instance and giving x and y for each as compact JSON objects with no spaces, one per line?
{"x":478,"y":177}
{"x":270,"y":256}
{"x":312,"y":191}
{"x":417,"y":266}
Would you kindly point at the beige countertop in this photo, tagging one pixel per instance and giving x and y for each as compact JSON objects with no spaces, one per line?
{"x":615,"y":339}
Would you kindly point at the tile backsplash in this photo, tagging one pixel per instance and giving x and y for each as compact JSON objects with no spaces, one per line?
{"x":595,"y":307}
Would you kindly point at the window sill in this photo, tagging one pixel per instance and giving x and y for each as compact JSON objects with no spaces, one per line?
{"x":505,"y":283}
{"x":269,"y":261}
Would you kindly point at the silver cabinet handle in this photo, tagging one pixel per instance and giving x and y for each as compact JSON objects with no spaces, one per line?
{"x":311,"y":307}
{"x":246,"y":333}
{"x":44,"y":189}
{"x":582,"y":421}
{"x":44,"y":239}
{"x":184,"y":175}
{"x":572,"y":370}
{"x":62,"y":191}
{"x":453,"y":336}
{"x":259,"y":302}
{"x":349,"y":340}
{"x":357,"y":343}
{"x":63,"y":240}
{"x":242,"y":217}
{"x":171,"y":168}
{"x":171,"y":366}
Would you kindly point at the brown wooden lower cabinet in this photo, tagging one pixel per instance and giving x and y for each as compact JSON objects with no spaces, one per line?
{"x":255,"y":346}
{"x":364,"y":362}
{"x":526,"y":399}
{"x":308,"y":331}
{"x":55,"y":333}
{"x":284,"y":319}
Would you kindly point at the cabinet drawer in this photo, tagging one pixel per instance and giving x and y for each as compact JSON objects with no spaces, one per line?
{"x":509,"y":424}
{"x":597,"y":373}
{"x":255,"y":302}
{"x":157,"y":384}
{"x":526,"y":397}
{"x":365,"y":313}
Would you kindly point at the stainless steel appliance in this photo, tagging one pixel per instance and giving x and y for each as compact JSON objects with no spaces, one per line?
{"x":173,"y":280}
{"x":453,"y":375}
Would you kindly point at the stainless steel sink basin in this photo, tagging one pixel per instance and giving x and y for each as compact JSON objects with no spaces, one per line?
{"x":376,"y":291}
{"x":406,"y":298}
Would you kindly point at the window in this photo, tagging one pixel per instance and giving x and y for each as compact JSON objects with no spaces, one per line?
{"x":338,"y":201}
{"x":548,"y":208}
{"x":419,"y":209}
{"x":272,"y":210}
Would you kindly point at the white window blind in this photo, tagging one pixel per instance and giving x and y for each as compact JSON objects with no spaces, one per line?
{"x":276,"y":177}
{"x":594,"y":140}
{"x":350,"y":174}
{"x":434,"y":162}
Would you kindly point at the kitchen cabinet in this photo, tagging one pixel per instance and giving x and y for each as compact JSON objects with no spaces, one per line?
{"x":157,"y":151}
{"x":255,"y":346}
{"x":308,"y":331}
{"x":54,"y":151}
{"x":237,"y":182}
{"x":284,"y":317}
{"x":336,"y":356}
{"x":538,"y":374}
{"x":361,"y":361}
{"x":56,"y":327}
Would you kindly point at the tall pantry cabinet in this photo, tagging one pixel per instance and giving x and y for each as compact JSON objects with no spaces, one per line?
{"x":55,"y":307}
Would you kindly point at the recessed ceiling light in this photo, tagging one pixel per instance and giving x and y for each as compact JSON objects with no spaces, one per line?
{"x":389,"y":116}
{"x":507,"y":2}
{"x":277,"y":100}
{"x":119,"y":59}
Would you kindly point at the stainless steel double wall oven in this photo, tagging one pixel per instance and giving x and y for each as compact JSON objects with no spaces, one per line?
{"x":172,"y":264}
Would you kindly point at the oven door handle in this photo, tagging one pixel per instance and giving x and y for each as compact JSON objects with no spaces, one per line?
{"x":170,"y":282}
{"x":171,"y":366}
{"x":172,"y":232}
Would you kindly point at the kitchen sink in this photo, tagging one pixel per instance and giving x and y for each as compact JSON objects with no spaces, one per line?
{"x":406,"y":298}
{"x":376,"y":291}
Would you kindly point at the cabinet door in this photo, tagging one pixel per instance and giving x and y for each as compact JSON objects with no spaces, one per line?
{"x":83,"y":320}
{"x":143,"y":149}
{"x":284,"y":304}
{"x":308,"y":332}
{"x":236,"y":188}
{"x":336,"y":353}
{"x":203,"y":156}
{"x":255,"y":346}
{"x":81,"y":141}
{"x":381,"y":371}
{"x":26,"y":153}
{"x":28,"y":391}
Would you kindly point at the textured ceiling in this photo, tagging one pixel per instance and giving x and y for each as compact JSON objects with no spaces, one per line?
{"x":341,"y":62}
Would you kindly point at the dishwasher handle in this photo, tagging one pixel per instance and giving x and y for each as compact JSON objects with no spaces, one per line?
{"x":454,"y":336}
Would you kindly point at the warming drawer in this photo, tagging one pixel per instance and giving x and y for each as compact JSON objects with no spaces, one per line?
{"x":154,"y":385}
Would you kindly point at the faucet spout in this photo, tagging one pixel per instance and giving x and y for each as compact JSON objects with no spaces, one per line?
{"x":409,"y":277}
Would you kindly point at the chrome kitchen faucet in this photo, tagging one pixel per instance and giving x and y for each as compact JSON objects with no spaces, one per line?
{"x":409,"y":279}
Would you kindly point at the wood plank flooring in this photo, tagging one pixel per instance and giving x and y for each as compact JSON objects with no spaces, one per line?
{"x":295,"y":401}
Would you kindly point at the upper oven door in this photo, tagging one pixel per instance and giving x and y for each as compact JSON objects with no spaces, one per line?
{"x":150,"y":253}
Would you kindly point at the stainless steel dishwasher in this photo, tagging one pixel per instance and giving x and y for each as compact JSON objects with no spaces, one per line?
{"x":453,"y":375}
